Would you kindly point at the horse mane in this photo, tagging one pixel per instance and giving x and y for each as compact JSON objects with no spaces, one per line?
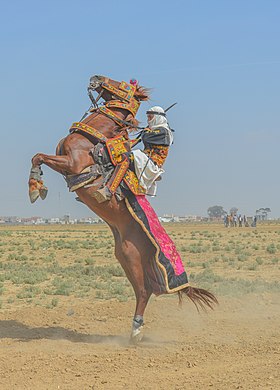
{"x":142,"y":93}
{"x":133,"y":121}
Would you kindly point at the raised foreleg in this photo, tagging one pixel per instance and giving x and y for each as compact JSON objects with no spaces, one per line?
{"x":61,"y":164}
{"x":74,"y":158}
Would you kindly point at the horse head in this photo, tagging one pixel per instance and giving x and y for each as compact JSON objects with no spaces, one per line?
{"x":118,"y":95}
{"x":98,"y":83}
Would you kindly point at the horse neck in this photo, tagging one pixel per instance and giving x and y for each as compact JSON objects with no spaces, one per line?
{"x":104,"y":124}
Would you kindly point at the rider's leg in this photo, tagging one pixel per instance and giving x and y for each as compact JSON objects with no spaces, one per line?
{"x":111,"y":186}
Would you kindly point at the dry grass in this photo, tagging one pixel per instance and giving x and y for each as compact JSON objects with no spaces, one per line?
{"x":45,"y":265}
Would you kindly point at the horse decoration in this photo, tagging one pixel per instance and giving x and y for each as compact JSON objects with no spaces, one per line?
{"x":87,"y":158}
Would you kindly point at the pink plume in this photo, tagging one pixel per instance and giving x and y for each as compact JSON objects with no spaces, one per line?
{"x":133,"y":82}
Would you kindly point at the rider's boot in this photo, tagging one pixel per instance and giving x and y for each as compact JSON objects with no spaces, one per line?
{"x":106,"y":192}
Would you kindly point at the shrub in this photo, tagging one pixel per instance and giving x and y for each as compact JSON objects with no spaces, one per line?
{"x":271,"y":249}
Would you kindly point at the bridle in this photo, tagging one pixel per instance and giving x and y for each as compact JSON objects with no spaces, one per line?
{"x":123,"y":98}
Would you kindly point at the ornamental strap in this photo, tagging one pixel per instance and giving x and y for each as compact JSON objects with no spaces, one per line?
{"x":125,"y":90}
{"x":110,"y":114}
{"x":83,"y":128}
{"x":118,"y":175}
{"x":132,"y":106}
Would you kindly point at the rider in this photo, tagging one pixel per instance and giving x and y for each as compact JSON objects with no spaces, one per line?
{"x":147,"y":164}
{"x":157,"y":138}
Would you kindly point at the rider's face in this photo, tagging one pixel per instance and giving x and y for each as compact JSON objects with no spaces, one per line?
{"x":150,"y":117}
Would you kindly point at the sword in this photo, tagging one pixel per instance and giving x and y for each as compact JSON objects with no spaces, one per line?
{"x":172,"y":105}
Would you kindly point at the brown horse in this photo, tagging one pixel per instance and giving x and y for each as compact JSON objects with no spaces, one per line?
{"x":133,"y":249}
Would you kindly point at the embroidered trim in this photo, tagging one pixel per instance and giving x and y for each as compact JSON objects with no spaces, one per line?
{"x":133,"y":183}
{"x":157,"y":153}
{"x":132,"y":106}
{"x":119,"y":175}
{"x":111,"y":115}
{"x":82,"y":127}
{"x":116,"y":147}
{"x":153,"y":241}
{"x":125,"y":90}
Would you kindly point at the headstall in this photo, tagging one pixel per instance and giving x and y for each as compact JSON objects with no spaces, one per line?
{"x":125,"y":100}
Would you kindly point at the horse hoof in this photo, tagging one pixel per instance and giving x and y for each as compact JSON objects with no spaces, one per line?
{"x":43,"y":192}
{"x":34,"y":195}
{"x":137,"y":335}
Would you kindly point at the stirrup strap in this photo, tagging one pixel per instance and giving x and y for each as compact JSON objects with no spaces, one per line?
{"x":118,"y":175}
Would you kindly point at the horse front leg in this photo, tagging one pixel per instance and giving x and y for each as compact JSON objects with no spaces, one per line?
{"x":58,"y":163}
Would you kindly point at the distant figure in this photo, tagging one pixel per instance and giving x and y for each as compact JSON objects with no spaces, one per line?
{"x":239,"y":220}
{"x":235,"y":220}
{"x":229,"y":221}
{"x":225,"y":220}
{"x":254,"y":223}
{"x":245,"y":221}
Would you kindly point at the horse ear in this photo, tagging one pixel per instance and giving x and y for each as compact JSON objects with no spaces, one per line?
{"x":142,"y":93}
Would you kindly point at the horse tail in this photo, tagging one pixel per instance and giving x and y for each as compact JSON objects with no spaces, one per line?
{"x":201,"y":298}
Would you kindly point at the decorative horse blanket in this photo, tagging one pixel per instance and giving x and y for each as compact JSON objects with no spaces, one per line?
{"x":166,"y":272}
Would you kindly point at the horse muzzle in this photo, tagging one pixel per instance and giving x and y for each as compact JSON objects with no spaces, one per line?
{"x":95,"y":82}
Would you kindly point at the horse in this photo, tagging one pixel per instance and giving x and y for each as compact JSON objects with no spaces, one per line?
{"x":133,"y":248}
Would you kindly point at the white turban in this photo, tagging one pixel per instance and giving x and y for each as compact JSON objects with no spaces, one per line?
{"x":159,"y":121}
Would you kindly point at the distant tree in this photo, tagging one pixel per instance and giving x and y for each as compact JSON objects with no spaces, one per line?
{"x":262,"y":213}
{"x":216,"y":211}
{"x":233,"y":210}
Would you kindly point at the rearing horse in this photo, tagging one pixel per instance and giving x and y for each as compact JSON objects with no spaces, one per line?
{"x":133,"y":248}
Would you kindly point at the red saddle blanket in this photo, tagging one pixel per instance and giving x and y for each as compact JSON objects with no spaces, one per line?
{"x":166,"y":273}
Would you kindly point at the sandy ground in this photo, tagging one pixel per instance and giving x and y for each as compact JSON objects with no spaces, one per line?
{"x":85,"y":345}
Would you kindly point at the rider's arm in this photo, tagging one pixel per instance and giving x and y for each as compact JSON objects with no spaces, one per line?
{"x":157,"y":136}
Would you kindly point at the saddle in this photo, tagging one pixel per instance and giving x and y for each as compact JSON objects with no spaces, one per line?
{"x":109,"y":164}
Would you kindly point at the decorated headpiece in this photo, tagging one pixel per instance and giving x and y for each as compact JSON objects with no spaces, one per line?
{"x":134,"y":82}
{"x":125,"y":97}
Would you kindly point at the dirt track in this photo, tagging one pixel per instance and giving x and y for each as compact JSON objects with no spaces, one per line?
{"x":84,"y":345}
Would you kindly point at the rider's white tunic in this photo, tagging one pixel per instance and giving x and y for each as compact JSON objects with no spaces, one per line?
{"x":146,"y":171}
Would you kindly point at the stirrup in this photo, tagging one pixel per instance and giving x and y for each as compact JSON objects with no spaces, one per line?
{"x":102,"y":195}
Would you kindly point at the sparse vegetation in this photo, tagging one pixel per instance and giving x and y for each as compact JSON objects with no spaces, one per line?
{"x":48,"y":265}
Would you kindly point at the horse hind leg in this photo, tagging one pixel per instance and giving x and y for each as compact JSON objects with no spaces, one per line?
{"x":137,"y":331}
{"x":130,"y":259}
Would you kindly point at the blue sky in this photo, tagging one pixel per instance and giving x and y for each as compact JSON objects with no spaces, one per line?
{"x":220,"y":60}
